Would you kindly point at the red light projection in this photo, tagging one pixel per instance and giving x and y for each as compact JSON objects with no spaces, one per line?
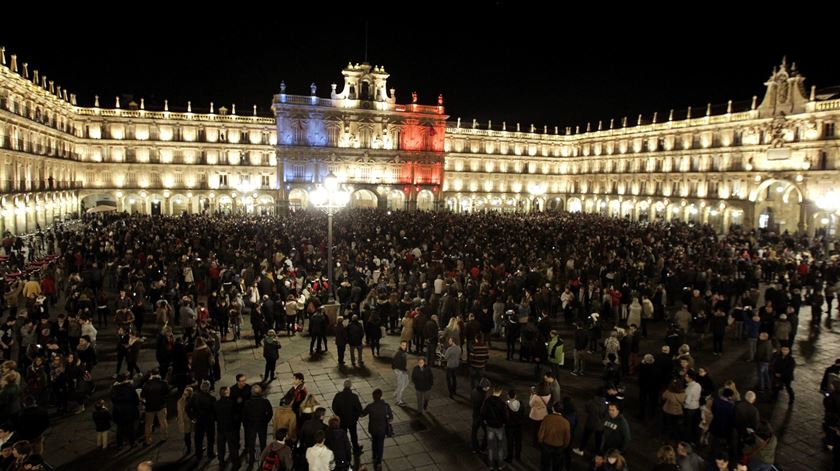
{"x":412,"y":173}
{"x":422,"y":137}
{"x":413,"y":136}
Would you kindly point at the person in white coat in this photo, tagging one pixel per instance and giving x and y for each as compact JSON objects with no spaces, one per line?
{"x":319,"y":457}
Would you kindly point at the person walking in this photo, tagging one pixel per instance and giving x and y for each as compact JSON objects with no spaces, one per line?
{"x":513,"y":428}
{"x":478,"y":359}
{"x":423,"y":380}
{"x":347,"y":406}
{"x":340,"y":339}
{"x":355,"y":337}
{"x":399,"y":365}
{"x":494,"y":413}
{"x":203,"y":415}
{"x":256,"y":415}
{"x":616,"y":430}
{"x":182,"y":419}
{"x":763,"y":357}
{"x":554,"y":437}
{"x":581,"y":345}
{"x":783,"y":366}
{"x":271,"y":353}
{"x":227,"y":427}
{"x":452,"y":356}
{"x":154,"y":394}
{"x":380,"y":416}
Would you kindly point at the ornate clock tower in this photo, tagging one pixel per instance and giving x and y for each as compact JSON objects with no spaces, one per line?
{"x":390,"y":155}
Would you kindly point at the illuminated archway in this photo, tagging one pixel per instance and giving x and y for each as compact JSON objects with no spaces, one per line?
{"x":364,"y":199}
{"x":574,"y":205}
{"x":425,"y":200}
{"x":396,"y":200}
{"x":298,"y":198}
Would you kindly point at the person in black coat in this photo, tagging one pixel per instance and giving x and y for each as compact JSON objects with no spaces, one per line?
{"x":348,"y":408}
{"x":227,"y":427}
{"x":337,"y":442}
{"x":34,"y":421}
{"x":378,"y":424}
{"x":318,"y":324}
{"x":783,"y":366}
{"x":355,"y":337}
{"x":154,"y":393}
{"x":256,"y":415}
{"x":341,"y":340}
{"x":423,"y":380}
{"x":430,"y":334}
{"x":648,"y":387}
{"x":164,"y":350}
{"x":125,"y":403}
{"x":201,"y":410}
{"x":373,"y":331}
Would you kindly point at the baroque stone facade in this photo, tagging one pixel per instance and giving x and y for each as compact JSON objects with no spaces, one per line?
{"x":769,"y":163}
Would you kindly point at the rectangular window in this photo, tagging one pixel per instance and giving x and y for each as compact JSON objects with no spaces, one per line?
{"x":266,"y":181}
{"x":828,"y":130}
{"x":223,"y":180}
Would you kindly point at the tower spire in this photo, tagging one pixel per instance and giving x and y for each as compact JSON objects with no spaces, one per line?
{"x":366,"y":40}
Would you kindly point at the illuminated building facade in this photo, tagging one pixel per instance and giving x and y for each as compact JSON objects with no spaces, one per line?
{"x":768,"y":163}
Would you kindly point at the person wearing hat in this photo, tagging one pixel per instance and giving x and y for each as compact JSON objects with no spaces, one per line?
{"x":271,"y":353}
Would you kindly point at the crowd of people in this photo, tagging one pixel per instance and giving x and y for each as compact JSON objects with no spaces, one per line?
{"x":447,"y":284}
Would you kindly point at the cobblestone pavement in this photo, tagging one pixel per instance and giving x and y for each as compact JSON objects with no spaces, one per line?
{"x":440,"y":438}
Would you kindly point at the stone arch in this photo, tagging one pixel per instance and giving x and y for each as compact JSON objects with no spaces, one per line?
{"x":298,"y":198}
{"x":425,"y":200}
{"x":755,"y":194}
{"x":627,"y":209}
{"x":395,"y":200}
{"x":363,"y":198}
{"x":574,"y":205}
{"x":555,"y":204}
{"x":179,"y":204}
{"x":98,"y":199}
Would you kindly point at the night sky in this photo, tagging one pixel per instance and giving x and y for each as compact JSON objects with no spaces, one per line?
{"x":510,"y":63}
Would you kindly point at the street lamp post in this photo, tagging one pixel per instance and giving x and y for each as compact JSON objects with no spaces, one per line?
{"x":330,"y":199}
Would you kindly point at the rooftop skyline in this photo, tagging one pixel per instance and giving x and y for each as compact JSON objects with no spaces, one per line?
{"x":499,"y":68}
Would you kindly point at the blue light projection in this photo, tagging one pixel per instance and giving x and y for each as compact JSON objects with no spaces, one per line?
{"x":316,"y":132}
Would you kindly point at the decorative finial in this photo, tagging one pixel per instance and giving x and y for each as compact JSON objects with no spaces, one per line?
{"x":729,"y":106}
{"x":813,"y":92}
{"x":459,"y":123}
{"x":211,"y":108}
{"x":545,"y":129}
{"x":655,"y":115}
{"x":612,"y":121}
{"x":233,"y":109}
{"x":312,"y":89}
{"x":489,"y":124}
{"x":96,"y":101}
{"x":255,"y":110}
{"x":577,"y":129}
{"x":517,"y":127}
{"x":624,"y":122}
{"x":26,"y":70}
{"x":414,"y":98}
{"x":189,"y":107}
{"x":36,"y":76}
{"x":639,"y":120}
{"x":600,"y":125}
{"x":556,"y":130}
{"x":2,"y":55}
{"x":568,"y":130}
{"x":504,"y":125}
{"x":475,"y":123}
{"x":14,"y":63}
{"x":671,"y":115}
{"x":117,"y":101}
{"x":73,"y":99}
{"x":282,"y":87}
{"x":142,"y":103}
{"x":588,"y":126}
{"x":440,"y":99}
{"x":752,"y":106}
{"x":165,"y":105}
{"x":708,"y":109}
{"x":533,"y":128}
{"x":52,"y":87}
{"x":688,"y":114}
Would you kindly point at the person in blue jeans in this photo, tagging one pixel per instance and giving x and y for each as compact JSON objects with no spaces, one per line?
{"x":380,"y":417}
{"x":763,"y":356}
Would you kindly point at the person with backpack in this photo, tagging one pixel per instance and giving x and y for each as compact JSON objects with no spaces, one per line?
{"x":277,"y":456}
